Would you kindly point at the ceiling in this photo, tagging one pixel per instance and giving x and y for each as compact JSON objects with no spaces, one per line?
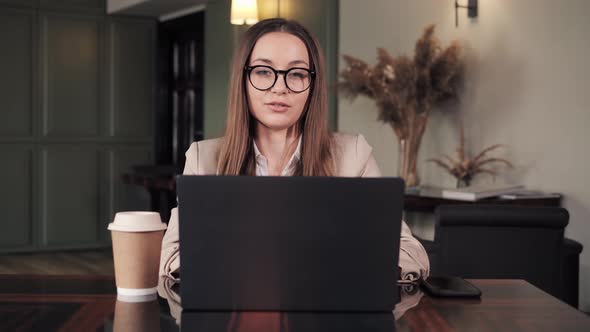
{"x":163,"y":9}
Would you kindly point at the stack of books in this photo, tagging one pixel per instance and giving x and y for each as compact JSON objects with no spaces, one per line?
{"x":529,"y":194}
{"x":474,"y":193}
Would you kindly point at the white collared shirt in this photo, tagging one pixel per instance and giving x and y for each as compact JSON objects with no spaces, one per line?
{"x":262,"y":162}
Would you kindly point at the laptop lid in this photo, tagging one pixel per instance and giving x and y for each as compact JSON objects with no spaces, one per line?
{"x":289,"y":243}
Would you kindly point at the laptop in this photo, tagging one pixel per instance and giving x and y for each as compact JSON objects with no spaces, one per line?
{"x":289,"y":243}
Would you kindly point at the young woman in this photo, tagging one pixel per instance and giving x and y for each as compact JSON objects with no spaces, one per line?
{"x":277,"y":124}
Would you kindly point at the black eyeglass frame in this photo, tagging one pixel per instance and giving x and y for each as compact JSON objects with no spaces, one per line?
{"x":248,"y":70}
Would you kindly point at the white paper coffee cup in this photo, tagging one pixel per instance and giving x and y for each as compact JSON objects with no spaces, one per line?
{"x":137,"y":242}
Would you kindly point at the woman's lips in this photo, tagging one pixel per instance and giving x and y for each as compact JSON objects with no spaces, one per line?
{"x":278,"y":107}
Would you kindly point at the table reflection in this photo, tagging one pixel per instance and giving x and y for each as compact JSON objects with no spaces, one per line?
{"x":90,"y":303}
{"x":286,"y":321}
{"x":169,"y":290}
{"x":137,"y":316}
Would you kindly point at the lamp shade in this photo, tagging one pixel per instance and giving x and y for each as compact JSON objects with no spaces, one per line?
{"x":244,"y":12}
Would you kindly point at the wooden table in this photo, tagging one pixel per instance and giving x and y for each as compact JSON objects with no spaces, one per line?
{"x":44,"y":303}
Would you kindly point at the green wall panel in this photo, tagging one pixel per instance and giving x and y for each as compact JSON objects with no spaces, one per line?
{"x":70,"y":75}
{"x":219,"y":44}
{"x":70,"y":194}
{"x":76,"y":109}
{"x":131,"y":85}
{"x":15,"y":196}
{"x":16,"y":92}
{"x":18,"y":3}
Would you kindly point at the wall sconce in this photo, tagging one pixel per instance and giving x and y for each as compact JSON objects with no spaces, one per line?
{"x":244,"y":12}
{"x":471,"y":10}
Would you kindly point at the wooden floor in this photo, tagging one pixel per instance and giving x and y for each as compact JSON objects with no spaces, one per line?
{"x":96,"y":262}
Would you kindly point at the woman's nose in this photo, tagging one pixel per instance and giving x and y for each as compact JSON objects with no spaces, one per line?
{"x":280,"y":86}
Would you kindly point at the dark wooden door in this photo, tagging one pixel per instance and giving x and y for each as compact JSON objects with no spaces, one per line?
{"x":180,"y":112}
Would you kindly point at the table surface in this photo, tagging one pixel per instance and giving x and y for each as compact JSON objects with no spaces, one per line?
{"x":71,"y":303}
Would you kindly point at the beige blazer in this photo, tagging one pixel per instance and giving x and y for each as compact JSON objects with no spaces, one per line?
{"x":353,"y":157}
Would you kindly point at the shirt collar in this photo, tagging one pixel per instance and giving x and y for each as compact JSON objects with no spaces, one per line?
{"x":294,"y":158}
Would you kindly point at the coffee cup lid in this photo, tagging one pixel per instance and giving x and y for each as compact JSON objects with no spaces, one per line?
{"x":137,"y":221}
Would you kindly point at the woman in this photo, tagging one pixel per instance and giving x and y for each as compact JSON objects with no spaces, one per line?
{"x":277,"y":124}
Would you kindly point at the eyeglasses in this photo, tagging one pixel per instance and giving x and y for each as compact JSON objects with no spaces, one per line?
{"x":265,"y":77}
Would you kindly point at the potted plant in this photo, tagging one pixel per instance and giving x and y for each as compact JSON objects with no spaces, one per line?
{"x":464,"y":168}
{"x":406,"y":90}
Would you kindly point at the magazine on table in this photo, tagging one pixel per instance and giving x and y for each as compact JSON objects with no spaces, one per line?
{"x":529,"y":194}
{"x":477,"y":192}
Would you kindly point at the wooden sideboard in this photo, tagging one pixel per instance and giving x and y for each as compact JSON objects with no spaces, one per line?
{"x":417,"y":203}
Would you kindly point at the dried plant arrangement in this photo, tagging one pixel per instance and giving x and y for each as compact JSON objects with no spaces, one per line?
{"x":406,"y":90}
{"x":464,"y":168}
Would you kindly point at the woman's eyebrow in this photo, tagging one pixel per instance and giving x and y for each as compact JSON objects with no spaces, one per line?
{"x":296,"y":62}
{"x":267,"y":61}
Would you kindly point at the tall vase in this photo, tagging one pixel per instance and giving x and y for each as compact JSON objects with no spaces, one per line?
{"x":407,"y":168}
{"x":409,"y":145}
{"x":402,"y":161}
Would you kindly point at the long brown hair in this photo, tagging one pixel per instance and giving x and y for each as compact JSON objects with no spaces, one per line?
{"x":236,"y":156}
